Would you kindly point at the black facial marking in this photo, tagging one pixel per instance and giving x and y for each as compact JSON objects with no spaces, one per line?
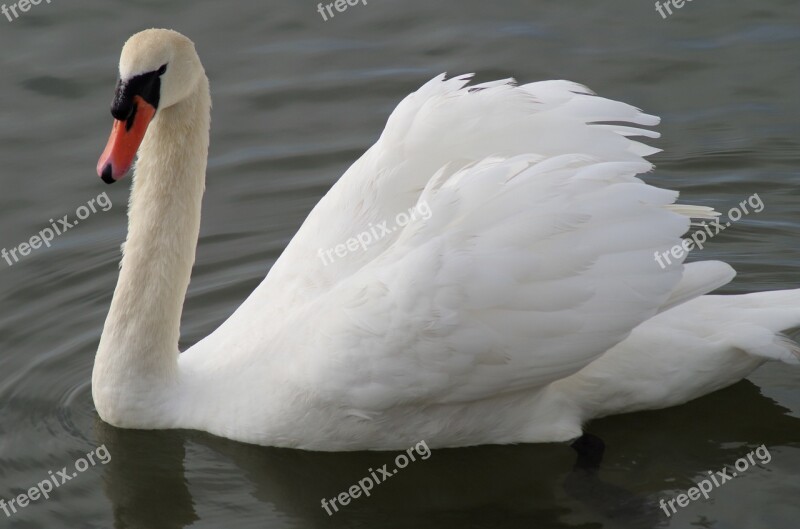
{"x":132,"y":117}
{"x":147,"y":86}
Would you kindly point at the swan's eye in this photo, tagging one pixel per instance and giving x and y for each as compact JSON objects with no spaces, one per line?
{"x":162,"y":70}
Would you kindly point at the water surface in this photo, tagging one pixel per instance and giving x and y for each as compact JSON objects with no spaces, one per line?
{"x":296,"y":100}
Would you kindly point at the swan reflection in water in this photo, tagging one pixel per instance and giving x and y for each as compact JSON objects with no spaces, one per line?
{"x":152,"y":474}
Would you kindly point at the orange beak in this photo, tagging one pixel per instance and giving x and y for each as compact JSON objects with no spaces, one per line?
{"x":126,"y":137}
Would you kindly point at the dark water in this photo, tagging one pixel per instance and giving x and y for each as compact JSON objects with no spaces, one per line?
{"x":296,"y":100}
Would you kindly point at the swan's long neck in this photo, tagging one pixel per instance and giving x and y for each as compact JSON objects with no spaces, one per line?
{"x":139,"y":345}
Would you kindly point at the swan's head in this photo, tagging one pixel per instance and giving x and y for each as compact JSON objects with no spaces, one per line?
{"x":157,"y":69}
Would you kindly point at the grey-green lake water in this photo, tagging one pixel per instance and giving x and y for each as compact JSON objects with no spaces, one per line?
{"x":296,"y":100}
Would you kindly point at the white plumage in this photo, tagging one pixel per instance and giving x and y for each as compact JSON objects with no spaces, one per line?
{"x":527,"y":303}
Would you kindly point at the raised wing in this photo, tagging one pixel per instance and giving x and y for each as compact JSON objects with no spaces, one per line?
{"x":526,"y":270}
{"x":446,"y":123}
{"x":537,"y":255}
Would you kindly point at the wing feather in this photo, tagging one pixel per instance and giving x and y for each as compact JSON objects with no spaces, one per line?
{"x":525,"y":272}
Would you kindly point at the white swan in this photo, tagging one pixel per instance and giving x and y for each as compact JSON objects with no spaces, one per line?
{"x":485,"y":323}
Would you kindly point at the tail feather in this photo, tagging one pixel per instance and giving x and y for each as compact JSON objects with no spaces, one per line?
{"x":755,"y":323}
{"x":693,"y":349}
{"x":784,"y":349}
{"x":694,"y":212}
